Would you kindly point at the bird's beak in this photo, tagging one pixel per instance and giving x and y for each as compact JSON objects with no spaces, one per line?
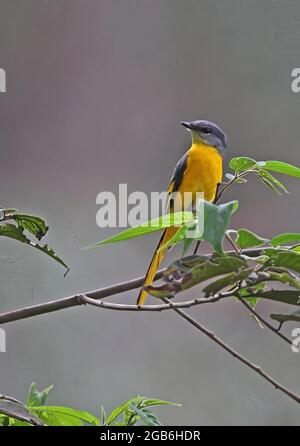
{"x":188,"y":125}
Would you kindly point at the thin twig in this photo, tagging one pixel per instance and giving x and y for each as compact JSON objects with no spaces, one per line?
{"x":197,"y":247}
{"x":263,"y":320}
{"x":236,"y":177}
{"x":159,"y":307}
{"x":235,"y":354}
{"x":10,"y":398}
{"x":233,"y":244}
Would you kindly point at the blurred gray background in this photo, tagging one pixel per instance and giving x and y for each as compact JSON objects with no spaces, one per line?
{"x":95,"y":91}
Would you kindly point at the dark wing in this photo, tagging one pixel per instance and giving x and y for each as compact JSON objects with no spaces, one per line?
{"x":177,"y":179}
{"x":178,"y":173}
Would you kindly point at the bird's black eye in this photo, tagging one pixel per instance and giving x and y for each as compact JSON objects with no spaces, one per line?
{"x":206,"y":130}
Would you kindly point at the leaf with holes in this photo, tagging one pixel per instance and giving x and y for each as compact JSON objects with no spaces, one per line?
{"x":35,"y":225}
{"x":189,"y":271}
{"x":17,"y":233}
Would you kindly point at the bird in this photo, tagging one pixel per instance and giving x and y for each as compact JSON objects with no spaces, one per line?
{"x":199,"y":170}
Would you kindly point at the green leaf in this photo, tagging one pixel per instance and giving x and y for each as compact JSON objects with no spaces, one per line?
{"x":247,"y":293}
{"x":150,"y":402}
{"x":12,"y":231}
{"x":285,"y":239}
{"x":33,"y":224}
{"x":281,"y":167}
{"x":186,"y":245}
{"x":269,"y":184}
{"x":117,"y":411}
{"x":252,"y":301}
{"x":130,"y":416}
{"x":64,"y":416}
{"x":270,"y":181}
{"x":189,"y":271}
{"x":262,"y":167}
{"x":148,"y":417}
{"x":290,"y":297}
{"x":103,"y":417}
{"x":242,"y":163}
{"x":247,"y":239}
{"x":166,"y":221}
{"x":181,"y":235}
{"x":216,"y":221}
{"x":178,"y":236}
{"x":19,"y":423}
{"x":36,"y":398}
{"x":286,"y":317}
{"x":7,"y":212}
{"x":273,"y":182}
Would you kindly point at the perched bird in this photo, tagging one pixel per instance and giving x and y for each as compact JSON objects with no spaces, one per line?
{"x":199,"y":170}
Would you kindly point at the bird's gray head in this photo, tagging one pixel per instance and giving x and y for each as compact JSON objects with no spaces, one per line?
{"x":208,"y":133}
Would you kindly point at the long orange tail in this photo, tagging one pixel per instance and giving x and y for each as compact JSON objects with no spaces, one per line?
{"x":155,"y":262}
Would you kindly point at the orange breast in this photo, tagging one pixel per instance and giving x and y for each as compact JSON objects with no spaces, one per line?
{"x":204,"y":171}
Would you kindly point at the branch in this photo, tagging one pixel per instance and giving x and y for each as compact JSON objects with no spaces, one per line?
{"x":229,"y":183}
{"x":160,"y":307}
{"x":96,"y":298}
{"x":76,"y":300}
{"x":13,"y":408}
{"x":235,"y":354}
